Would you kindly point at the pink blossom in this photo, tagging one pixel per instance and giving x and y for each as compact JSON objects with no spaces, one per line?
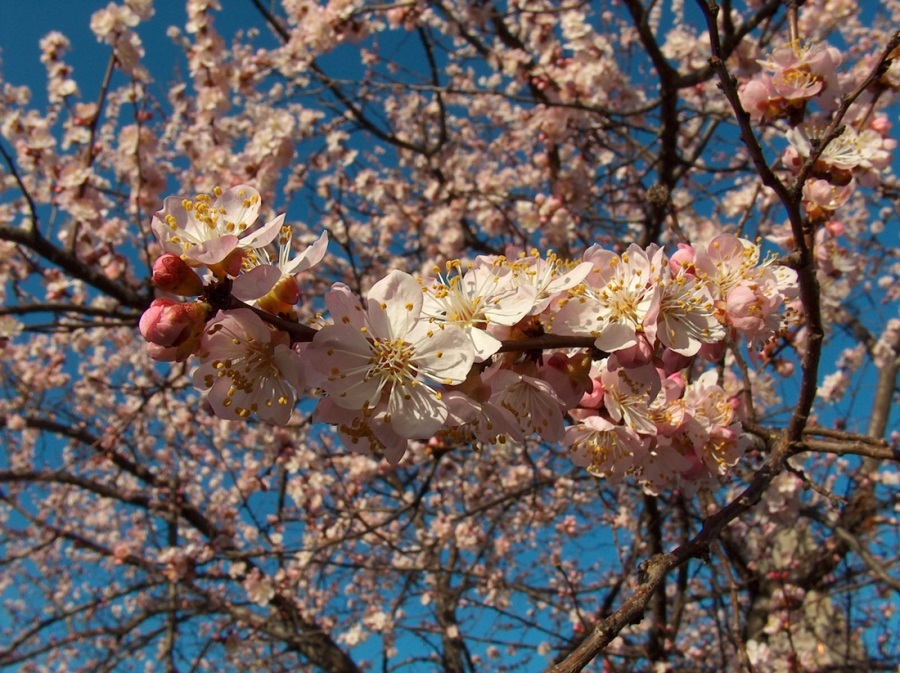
{"x":606,"y":450}
{"x":548,"y":275}
{"x":862,"y":154}
{"x":797,"y":75}
{"x":259,"y":588}
{"x":663,"y":465}
{"x":686,"y":314}
{"x":709,"y":438}
{"x":247,"y":367}
{"x":619,"y":299}
{"x":271,"y":283}
{"x":628,"y":393}
{"x":748,"y":295}
{"x":214,"y":231}
{"x":487,"y":294}
{"x":536,"y":406}
{"x":484,"y":421}
{"x":821,"y":198}
{"x":760,"y":99}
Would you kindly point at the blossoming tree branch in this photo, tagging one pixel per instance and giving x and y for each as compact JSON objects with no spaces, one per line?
{"x":468,"y":336}
{"x":421,"y":361}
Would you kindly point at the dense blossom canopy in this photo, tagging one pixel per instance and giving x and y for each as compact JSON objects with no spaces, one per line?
{"x":453,"y":336}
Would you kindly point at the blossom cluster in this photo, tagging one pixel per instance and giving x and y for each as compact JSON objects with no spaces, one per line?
{"x":595,"y":353}
{"x":803,"y":86}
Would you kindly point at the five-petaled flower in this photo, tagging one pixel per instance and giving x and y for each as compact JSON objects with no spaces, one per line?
{"x":248,"y":367}
{"x":391,"y":351}
{"x":214,"y":231}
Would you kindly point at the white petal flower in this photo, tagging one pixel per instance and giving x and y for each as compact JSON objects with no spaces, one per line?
{"x":535,"y":404}
{"x":687,"y":318}
{"x":606,"y":450}
{"x":485,"y":295}
{"x":396,"y":354}
{"x":619,"y":299}
{"x":548,"y":276}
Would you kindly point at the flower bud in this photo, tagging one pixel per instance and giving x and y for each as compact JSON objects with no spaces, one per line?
{"x":594,"y":398}
{"x":682,"y":258}
{"x":173,"y":328}
{"x":172,"y":274}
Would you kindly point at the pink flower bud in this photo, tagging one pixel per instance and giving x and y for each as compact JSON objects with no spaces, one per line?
{"x":881,"y":125}
{"x":835,"y":228}
{"x":593,"y":399}
{"x":173,"y":328}
{"x":683,"y":257}
{"x":172,"y":274}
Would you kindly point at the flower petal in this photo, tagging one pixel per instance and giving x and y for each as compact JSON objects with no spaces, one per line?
{"x":394,"y":305}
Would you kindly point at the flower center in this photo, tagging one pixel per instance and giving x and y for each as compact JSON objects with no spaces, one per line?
{"x":391,"y":360}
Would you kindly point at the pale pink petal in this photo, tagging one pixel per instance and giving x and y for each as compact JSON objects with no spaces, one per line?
{"x":264,"y":235}
{"x":309,"y":257}
{"x":394,"y":305}
{"x":214,"y":250}
{"x":416,"y":410}
{"x":255,"y":283}
{"x":343,"y":355}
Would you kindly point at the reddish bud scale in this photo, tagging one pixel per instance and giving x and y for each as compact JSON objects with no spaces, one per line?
{"x":282,"y":298}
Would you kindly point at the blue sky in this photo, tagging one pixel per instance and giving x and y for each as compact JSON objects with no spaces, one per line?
{"x":24,"y":23}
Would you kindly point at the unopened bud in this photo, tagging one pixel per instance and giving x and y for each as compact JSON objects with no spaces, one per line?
{"x":172,"y":274}
{"x":173,"y":328}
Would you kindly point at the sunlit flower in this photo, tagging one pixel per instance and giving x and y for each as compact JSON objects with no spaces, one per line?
{"x":247,"y":367}
{"x":686,"y":314}
{"x":271,"y":283}
{"x":748,"y":295}
{"x":628,"y":393}
{"x":797,"y":74}
{"x":483,"y":296}
{"x":534,"y":403}
{"x":548,"y":275}
{"x":716,"y":440}
{"x":606,"y":450}
{"x":214,"y":231}
{"x":395,"y":353}
{"x":483,"y":421}
{"x":619,"y":299}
